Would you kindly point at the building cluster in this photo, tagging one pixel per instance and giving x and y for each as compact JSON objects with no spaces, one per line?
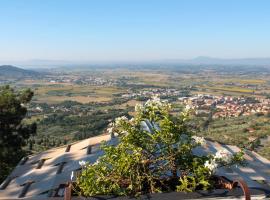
{"x":226,"y":106}
{"x":148,"y":93}
{"x":82,"y":80}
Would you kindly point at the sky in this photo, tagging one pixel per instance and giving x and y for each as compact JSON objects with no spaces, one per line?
{"x":133,"y":30}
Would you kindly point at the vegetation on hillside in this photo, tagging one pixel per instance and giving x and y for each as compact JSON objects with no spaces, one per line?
{"x":243,"y":131}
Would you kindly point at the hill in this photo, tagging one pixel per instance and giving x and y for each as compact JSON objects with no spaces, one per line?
{"x":9,"y":71}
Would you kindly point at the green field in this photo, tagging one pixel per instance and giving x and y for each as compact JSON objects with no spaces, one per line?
{"x":52,"y":94}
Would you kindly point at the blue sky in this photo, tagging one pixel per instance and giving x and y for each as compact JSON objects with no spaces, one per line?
{"x":136,"y":30}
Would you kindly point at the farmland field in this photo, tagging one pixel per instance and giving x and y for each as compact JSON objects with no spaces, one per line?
{"x":84,"y":94}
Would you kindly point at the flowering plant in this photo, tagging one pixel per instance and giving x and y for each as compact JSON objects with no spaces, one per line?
{"x":154,"y":154}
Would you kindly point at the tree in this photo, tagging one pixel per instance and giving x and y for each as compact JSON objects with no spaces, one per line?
{"x":13,"y":133}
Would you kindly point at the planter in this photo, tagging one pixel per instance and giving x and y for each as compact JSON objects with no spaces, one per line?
{"x":225,"y":190}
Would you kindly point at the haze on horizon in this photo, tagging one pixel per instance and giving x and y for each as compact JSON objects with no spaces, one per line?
{"x":120,"y":30}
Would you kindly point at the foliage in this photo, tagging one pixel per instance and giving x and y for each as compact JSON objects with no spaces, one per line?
{"x":69,"y":124}
{"x":13,"y":133}
{"x":265,"y":149}
{"x":154,"y":154}
{"x":243,"y":131}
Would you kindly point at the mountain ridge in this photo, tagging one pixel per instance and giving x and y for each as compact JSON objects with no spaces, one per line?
{"x":10,"y":71}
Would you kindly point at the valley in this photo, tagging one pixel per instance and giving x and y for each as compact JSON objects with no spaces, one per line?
{"x":70,"y":105}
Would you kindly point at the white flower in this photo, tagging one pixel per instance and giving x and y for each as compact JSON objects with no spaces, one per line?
{"x":82,"y":163}
{"x":124,"y":132}
{"x":118,"y":120}
{"x":199,"y":140}
{"x":156,"y":100}
{"x":211,"y":165}
{"x":72,"y":175}
{"x":223,"y":155}
{"x":110,"y":130}
{"x":111,"y":124}
{"x":96,"y":163}
{"x":132,"y":120}
{"x":148,"y":102}
{"x":188,"y":107}
{"x":124,"y":118}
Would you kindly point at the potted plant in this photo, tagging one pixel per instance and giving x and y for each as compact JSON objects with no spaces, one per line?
{"x":154,"y":154}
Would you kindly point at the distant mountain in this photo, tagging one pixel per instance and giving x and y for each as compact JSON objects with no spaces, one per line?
{"x":202,"y":60}
{"x":40,"y":65}
{"x":9,"y":71}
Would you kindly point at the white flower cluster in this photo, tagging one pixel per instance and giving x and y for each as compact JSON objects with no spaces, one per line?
{"x":188,"y":107}
{"x":110,"y":130}
{"x":221,"y":156}
{"x":132,"y":120}
{"x":155,"y":100}
{"x":82,"y":163}
{"x":199,"y":140}
{"x":154,"y":103}
{"x":114,"y":125}
{"x":211,"y":165}
{"x":118,"y":120}
{"x":224,"y":156}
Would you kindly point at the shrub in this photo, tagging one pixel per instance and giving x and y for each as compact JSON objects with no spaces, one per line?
{"x":154,"y":154}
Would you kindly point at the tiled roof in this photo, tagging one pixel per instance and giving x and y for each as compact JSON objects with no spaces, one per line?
{"x":43,"y":176}
{"x":40,"y":176}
